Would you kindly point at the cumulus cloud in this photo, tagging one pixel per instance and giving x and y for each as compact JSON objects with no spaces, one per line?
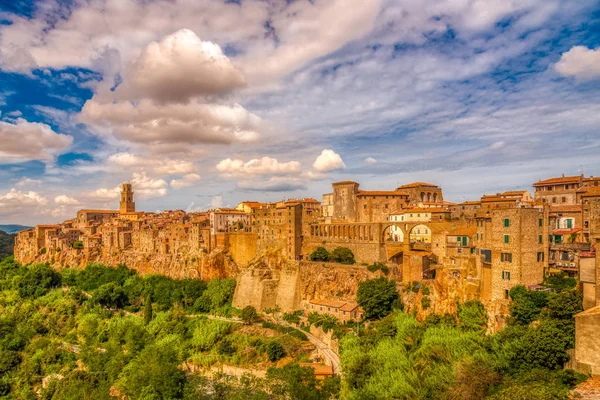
{"x":146,"y":122}
{"x":580,"y":62}
{"x":24,"y":141}
{"x":187,"y":180}
{"x":178,"y":68}
{"x":328,"y":161}
{"x":369,"y":161}
{"x":104,"y":194}
{"x":148,"y":187}
{"x":258,"y":166}
{"x":217,"y":202}
{"x":158,"y":165}
{"x":15,"y":202}
{"x":64,"y":200}
{"x":272,"y":185}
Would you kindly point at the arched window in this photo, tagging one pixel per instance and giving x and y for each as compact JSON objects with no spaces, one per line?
{"x":435,"y":197}
{"x":429,"y":197}
{"x":422,"y":196}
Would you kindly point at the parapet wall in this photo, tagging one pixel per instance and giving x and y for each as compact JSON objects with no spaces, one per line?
{"x":368,"y":252}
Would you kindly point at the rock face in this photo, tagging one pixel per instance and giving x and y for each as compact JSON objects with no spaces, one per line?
{"x":186,"y":264}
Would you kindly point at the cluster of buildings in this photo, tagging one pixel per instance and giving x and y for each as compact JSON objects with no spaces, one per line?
{"x":497,"y":241}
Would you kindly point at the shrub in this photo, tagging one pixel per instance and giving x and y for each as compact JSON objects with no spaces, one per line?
{"x":320,"y":254}
{"x":425,"y":303}
{"x":78,"y":244}
{"x":248,"y":315}
{"x":110,"y":295}
{"x":342,"y":255}
{"x":38,"y":280}
{"x":472,"y":316}
{"x":275,"y":351}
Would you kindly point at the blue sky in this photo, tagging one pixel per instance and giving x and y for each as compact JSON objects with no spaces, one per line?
{"x":208,"y":103}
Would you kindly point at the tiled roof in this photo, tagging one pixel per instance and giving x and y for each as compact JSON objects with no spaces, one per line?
{"x":465,"y":231}
{"x":562,"y":232}
{"x":470,"y":203}
{"x":328,"y":303}
{"x":565,"y":207}
{"x":417,"y":184}
{"x":592,"y":192}
{"x":381,"y":193}
{"x":559,"y":180}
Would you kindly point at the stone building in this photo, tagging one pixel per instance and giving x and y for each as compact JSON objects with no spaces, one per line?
{"x":512,"y":244}
{"x":466,"y":209}
{"x":561,"y":190}
{"x":420,"y":192}
{"x":342,"y":310}
{"x":225,"y":219}
{"x":127,"y":204}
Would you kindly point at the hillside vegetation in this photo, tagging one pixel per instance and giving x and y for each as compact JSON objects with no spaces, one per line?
{"x":7,"y":244}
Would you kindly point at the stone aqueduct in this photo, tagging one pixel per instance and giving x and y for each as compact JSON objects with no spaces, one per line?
{"x":362,"y":232}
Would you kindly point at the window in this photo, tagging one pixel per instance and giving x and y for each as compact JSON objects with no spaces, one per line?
{"x":458,"y":238}
{"x":540,"y":239}
{"x":540,"y":256}
{"x":506,"y":293}
{"x":541,"y":222}
{"x":506,"y":257}
{"x":506,"y":275}
{"x":564,"y":199}
{"x":554,"y":199}
{"x":569,"y":223}
{"x":365,"y":206}
{"x":506,"y":222}
{"x":506,"y":239}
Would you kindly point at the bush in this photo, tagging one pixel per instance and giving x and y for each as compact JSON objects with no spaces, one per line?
{"x":320,"y":254}
{"x":275,"y":351}
{"x":472,"y":316}
{"x":78,"y":244}
{"x":342,"y":255}
{"x":249,"y":315}
{"x":425,"y":303}
{"x":110,"y":295}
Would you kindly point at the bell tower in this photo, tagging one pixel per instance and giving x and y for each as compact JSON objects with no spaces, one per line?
{"x":127,"y":204}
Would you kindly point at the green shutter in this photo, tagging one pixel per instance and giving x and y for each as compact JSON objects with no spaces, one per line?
{"x":506,"y":239}
{"x":506,"y":222}
{"x":464,"y":241}
{"x":569,"y":223}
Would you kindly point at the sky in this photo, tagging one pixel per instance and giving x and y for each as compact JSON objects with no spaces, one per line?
{"x":206,"y":103}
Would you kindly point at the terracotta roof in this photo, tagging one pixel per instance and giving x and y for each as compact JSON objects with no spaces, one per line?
{"x":592,"y":192}
{"x":348,"y":307}
{"x":438,"y":203}
{"x":309,"y":200}
{"x":562,"y":232}
{"x":381,"y":193}
{"x":470,"y":203}
{"x":496,"y":198}
{"x":432,"y":210}
{"x":417,"y":184}
{"x":558,"y":181}
{"x":514,"y":192}
{"x":464,"y":231}
{"x":327,"y":303}
{"x":319,"y":368}
{"x":565,"y":207}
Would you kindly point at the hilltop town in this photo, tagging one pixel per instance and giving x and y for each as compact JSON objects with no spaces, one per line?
{"x":476,"y":249}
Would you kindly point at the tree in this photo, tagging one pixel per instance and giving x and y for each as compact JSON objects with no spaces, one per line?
{"x":110,"y":295}
{"x":249,"y":315}
{"x":275,"y":351}
{"x":38,"y":280}
{"x":342,"y":255}
{"x":377,"y":297}
{"x":320,"y":254}
{"x":472,"y":316}
{"x":148,"y":309}
{"x":295,"y":382}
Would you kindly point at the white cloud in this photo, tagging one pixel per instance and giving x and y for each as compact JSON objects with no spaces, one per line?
{"x":187,"y":180}
{"x":178,"y":68}
{"x":258,"y":166}
{"x":17,"y":203}
{"x":28,"y":182}
{"x":23,"y":141}
{"x":497,"y":145}
{"x":328,"y":161}
{"x":217,"y":202}
{"x":104,"y":194}
{"x":64,"y":200}
{"x":194,"y":123}
{"x":148,"y":187}
{"x":369,"y":161}
{"x":580,"y":62}
{"x":158,"y":165}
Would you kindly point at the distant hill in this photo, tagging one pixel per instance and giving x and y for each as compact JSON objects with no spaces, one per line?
{"x":7,"y":244}
{"x":13,"y":228}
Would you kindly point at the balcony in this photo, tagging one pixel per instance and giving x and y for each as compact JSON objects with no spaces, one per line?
{"x":570,"y":246}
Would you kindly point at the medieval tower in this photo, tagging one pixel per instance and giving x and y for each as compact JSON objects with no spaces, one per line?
{"x":127,"y":204}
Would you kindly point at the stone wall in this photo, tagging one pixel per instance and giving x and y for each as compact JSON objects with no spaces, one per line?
{"x":587,"y":346}
{"x":368,"y":252}
{"x":242,"y":246}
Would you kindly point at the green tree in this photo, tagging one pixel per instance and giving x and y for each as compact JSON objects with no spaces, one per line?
{"x":110,"y":295}
{"x":248,"y":314}
{"x":342,"y":255}
{"x":472,"y":316}
{"x":38,"y":280}
{"x":377,"y":297}
{"x":295,"y":382}
{"x":148,"y":309}
{"x":320,"y":254}
{"x":275,"y":351}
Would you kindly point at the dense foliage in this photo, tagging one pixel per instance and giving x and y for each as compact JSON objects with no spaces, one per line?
{"x":7,"y":244}
{"x":101,"y":333}
{"x":320,"y":254}
{"x":451,"y":357}
{"x":377,"y":297}
{"x":342,"y":255}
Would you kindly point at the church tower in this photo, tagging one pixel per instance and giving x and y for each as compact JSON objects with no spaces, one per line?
{"x":127,"y":205}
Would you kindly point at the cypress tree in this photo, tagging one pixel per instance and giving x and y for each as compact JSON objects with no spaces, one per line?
{"x":148,"y":309}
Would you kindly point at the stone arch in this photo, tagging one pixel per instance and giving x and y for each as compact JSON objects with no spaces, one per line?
{"x":394,"y":233}
{"x":422,"y":196}
{"x":420,"y":233}
{"x":429,"y":197}
{"x":435,"y":197}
